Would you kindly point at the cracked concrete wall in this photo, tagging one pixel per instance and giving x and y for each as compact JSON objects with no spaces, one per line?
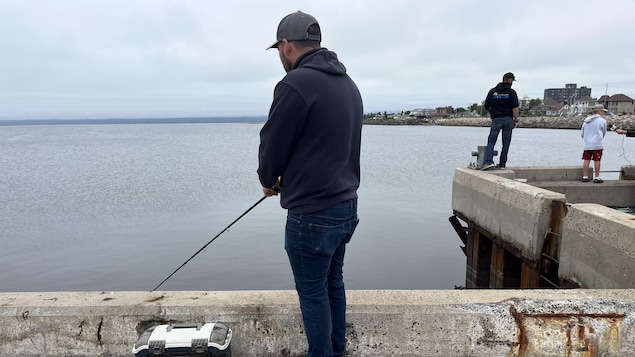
{"x":597,"y":249}
{"x":380,"y":322}
{"x":518,"y":213}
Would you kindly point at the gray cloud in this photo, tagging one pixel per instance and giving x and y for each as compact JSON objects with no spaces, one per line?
{"x":89,"y":58}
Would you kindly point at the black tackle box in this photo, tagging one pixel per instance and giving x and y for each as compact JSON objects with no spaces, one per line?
{"x":185,"y":339}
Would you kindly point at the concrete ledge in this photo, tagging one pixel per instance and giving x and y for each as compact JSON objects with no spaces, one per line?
{"x":613,"y":193}
{"x":380,"y":322}
{"x":518,"y":213}
{"x":598,"y":247}
{"x":627,"y":172}
{"x":548,"y":173}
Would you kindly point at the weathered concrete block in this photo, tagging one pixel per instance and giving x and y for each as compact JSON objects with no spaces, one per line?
{"x":518,"y":213}
{"x":598,"y":247}
{"x":380,"y":322}
{"x":613,"y":193}
{"x":549,"y":173}
{"x":627,"y":172}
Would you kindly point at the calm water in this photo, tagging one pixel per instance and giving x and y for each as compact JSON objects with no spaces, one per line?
{"x":119,"y":207}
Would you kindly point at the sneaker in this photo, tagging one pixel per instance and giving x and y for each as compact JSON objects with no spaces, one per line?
{"x":585,"y":179}
{"x":500,"y":167}
{"x":597,"y":180}
{"x":488,"y":166}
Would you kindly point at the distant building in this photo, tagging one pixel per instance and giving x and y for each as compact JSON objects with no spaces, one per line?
{"x":620,"y":103}
{"x":556,"y":109}
{"x":537,"y":110}
{"x":604,"y":99}
{"x":422,"y":112}
{"x":445,"y":110}
{"x":569,"y":94}
{"x":582,"y":106}
{"x":440,"y":115}
{"x":523,"y":102}
{"x":551,"y":107}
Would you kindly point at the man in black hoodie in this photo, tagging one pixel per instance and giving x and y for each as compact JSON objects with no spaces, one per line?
{"x":309,"y":152}
{"x":502,"y":105}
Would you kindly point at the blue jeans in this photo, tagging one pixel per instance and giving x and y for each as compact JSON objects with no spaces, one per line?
{"x":315,"y":244}
{"x":506,"y":124}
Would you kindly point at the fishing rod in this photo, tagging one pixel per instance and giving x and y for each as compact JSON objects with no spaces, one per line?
{"x":208,"y":243}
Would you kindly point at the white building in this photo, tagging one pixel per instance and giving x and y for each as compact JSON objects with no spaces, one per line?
{"x":582,"y":105}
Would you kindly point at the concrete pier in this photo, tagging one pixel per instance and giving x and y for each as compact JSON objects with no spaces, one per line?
{"x":532,"y":227}
{"x":380,"y":322}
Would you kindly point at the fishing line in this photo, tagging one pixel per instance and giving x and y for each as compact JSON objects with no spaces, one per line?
{"x":208,"y":243}
{"x":623,"y":154}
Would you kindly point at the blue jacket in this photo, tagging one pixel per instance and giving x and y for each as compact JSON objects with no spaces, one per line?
{"x":312,"y":137}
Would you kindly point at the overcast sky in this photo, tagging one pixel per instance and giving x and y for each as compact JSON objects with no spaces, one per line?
{"x":161,"y":58}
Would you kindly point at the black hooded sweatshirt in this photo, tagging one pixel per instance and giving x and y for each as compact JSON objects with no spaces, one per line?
{"x":312,"y":137}
{"x":501,"y":100}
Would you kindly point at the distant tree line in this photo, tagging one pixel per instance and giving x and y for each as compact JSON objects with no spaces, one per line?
{"x":473,"y":108}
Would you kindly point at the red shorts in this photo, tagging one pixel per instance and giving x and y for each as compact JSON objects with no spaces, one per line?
{"x":595,"y":155}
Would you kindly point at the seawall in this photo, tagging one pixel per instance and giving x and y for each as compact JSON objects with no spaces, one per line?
{"x":542,"y":225}
{"x":380,"y":322}
{"x":544,"y":122}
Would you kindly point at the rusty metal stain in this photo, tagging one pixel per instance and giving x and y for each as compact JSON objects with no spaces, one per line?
{"x":567,"y":334}
{"x":522,"y":335}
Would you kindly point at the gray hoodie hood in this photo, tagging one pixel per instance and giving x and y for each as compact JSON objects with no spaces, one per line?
{"x":591,"y":118}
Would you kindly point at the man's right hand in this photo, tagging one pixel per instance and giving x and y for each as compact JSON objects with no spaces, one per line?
{"x":272,"y":191}
{"x":269,"y":191}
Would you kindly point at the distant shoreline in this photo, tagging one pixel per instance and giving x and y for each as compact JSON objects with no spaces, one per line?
{"x":183,"y":120}
{"x":621,"y":121}
{"x":544,"y":122}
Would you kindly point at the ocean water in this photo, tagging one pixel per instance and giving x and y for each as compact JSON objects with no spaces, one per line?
{"x":120,"y":207}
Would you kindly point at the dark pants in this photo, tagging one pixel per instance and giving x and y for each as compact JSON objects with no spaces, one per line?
{"x":504,"y":124}
{"x":315,"y":244}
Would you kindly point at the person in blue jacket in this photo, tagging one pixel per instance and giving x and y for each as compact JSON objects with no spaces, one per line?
{"x":502,"y":104}
{"x":310,"y":152}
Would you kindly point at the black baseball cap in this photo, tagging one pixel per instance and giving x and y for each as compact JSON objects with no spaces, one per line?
{"x":295,"y":27}
{"x":508,"y":75}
